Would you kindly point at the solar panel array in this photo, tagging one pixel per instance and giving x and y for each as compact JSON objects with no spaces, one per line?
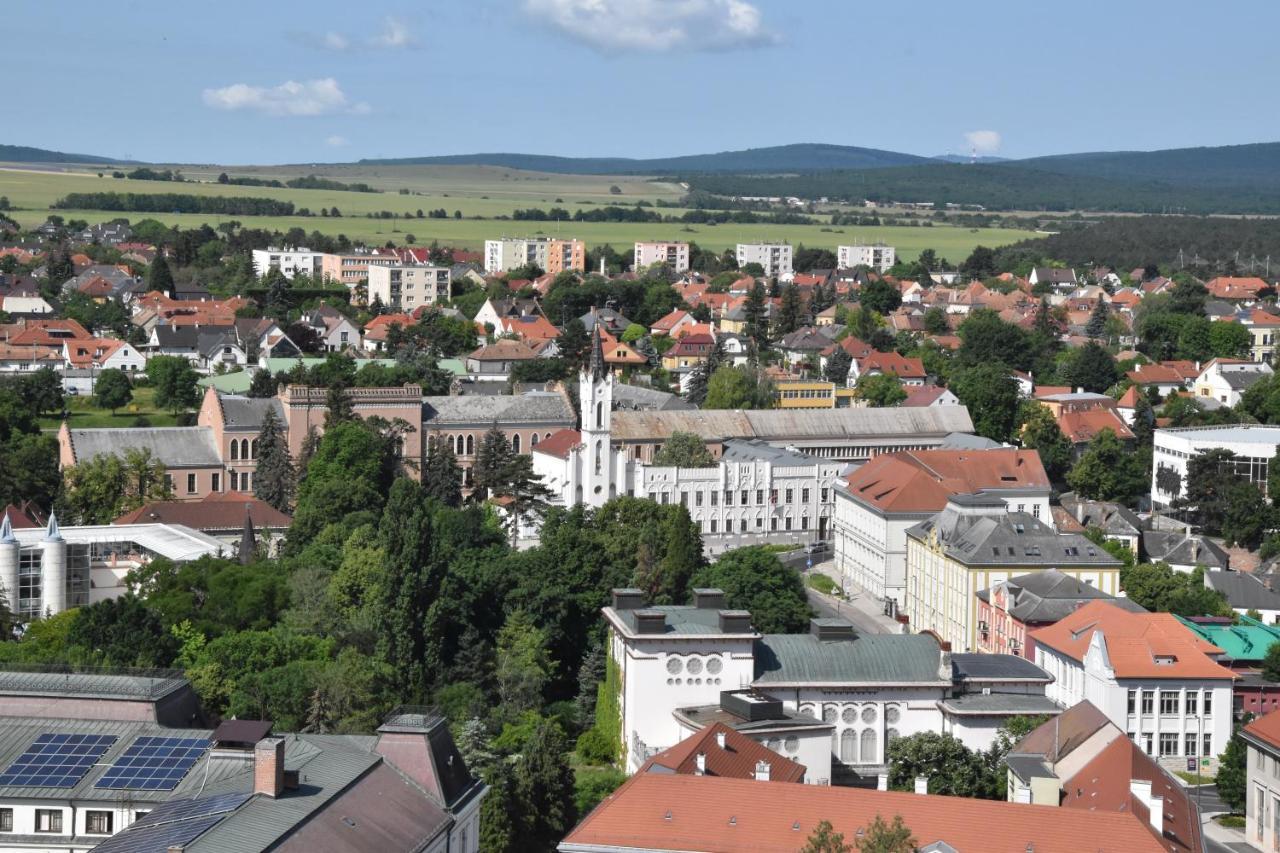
{"x":57,"y":760}
{"x":154,"y":763}
{"x":173,"y":824}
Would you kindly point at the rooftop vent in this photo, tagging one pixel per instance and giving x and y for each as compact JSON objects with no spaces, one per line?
{"x":831,"y":630}
{"x":651,"y":622}
{"x":628,"y":599}
{"x":735,"y":622}
{"x":752,"y":707}
{"x":709,"y":599}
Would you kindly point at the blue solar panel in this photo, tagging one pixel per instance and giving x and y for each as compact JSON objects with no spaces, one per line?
{"x":57,"y":760}
{"x":154,"y":763}
{"x":177,"y":810}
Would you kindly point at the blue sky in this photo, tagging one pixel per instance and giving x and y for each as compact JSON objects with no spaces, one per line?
{"x":285,"y":82}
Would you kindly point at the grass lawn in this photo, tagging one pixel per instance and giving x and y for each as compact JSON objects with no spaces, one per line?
{"x":822,"y":583}
{"x":477,"y":191}
{"x":85,"y":415}
{"x":1231,"y":821}
{"x":1194,"y":778}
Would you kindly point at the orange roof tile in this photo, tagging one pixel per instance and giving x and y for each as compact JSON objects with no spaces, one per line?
{"x":922,"y":480}
{"x":1266,"y":728}
{"x":736,"y":759}
{"x":1080,"y":426}
{"x":559,"y":443}
{"x":1134,"y":643}
{"x":717,"y":815}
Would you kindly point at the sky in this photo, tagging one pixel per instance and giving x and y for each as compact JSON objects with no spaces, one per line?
{"x":237,"y":82}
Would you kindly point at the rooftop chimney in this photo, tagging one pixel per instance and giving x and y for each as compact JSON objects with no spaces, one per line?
{"x":708,"y":599}
{"x":628,"y":599}
{"x":268,"y":766}
{"x":922,"y":784}
{"x":831,"y":630}
{"x":701,"y":760}
{"x":651,"y":622}
{"x":762,"y":771}
{"x":735,"y":622}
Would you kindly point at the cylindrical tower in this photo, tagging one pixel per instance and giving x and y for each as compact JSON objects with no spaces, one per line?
{"x":10,"y":552}
{"x":53,"y":570}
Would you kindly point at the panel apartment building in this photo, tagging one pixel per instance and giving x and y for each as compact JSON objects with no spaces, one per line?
{"x":549,"y":254}
{"x":290,"y":261}
{"x":877,"y":256}
{"x":406,"y":287}
{"x":674,"y":255}
{"x":774,"y":257}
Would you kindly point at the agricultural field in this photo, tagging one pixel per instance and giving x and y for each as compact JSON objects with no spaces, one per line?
{"x":480,"y":193}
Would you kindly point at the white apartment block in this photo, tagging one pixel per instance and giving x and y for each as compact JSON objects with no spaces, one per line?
{"x":549,"y":254}
{"x":1147,"y":672}
{"x":405,"y":287}
{"x":877,"y":256}
{"x":1253,"y":445}
{"x":674,"y":255}
{"x":290,"y":261}
{"x":775,"y":258}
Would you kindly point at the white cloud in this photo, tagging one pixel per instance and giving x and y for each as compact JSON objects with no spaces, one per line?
{"x":335,"y":41}
{"x":291,"y":98}
{"x":655,"y":25}
{"x":336,"y":141}
{"x":395,"y":34}
{"x":983,"y":142}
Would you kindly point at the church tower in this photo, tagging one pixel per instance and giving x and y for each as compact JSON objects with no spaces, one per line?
{"x":595,"y":397}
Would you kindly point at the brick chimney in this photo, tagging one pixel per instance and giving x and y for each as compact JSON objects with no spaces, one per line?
{"x":268,"y":766}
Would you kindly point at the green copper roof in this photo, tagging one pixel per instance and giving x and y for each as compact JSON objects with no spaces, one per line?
{"x":1247,"y":640}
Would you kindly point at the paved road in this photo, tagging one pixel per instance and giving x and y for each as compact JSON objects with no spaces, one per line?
{"x":1210,"y":803}
{"x":831,"y":608}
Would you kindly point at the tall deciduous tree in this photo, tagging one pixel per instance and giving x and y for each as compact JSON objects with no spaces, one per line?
{"x":882,"y":836}
{"x":825,"y":839}
{"x":1108,"y":471}
{"x":174,"y":381}
{"x":879,"y":296}
{"x":1040,"y":433}
{"x":684,"y":450}
{"x":1232,"y":778}
{"x":880,"y":389}
{"x":274,"y":478}
{"x":754,"y":579}
{"x":1092,"y":368}
{"x":991,"y":395}
{"x":112,"y":390}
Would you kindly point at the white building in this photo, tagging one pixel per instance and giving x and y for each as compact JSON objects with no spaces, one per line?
{"x":1225,"y":380}
{"x":549,"y":254}
{"x":48,"y":570}
{"x":674,"y":255}
{"x":1262,"y":782}
{"x":877,"y":256}
{"x":775,"y":258}
{"x":290,"y":261}
{"x":1252,"y":444}
{"x":404,"y":287}
{"x":869,"y":689}
{"x":1147,"y":672}
{"x":876,"y":505}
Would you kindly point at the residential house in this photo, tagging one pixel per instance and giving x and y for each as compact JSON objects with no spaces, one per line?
{"x":1264,"y":333}
{"x":1056,"y":278}
{"x":803,"y":346}
{"x":1166,"y":377}
{"x":610,"y":320}
{"x":688,"y":353}
{"x":1246,"y":594}
{"x":1148,"y":673}
{"x":1115,"y":521}
{"x":1236,"y":288}
{"x":102,"y":354}
{"x":909,"y":371}
{"x":877,"y":503}
{"x":1226,"y":379}
{"x":495,"y":361}
{"x":929,"y":395}
{"x":1183,"y":550}
{"x":335,"y":330}
{"x":1010,"y":611}
{"x":1081,"y":416}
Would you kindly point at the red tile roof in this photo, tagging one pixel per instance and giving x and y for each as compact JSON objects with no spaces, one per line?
{"x":924,"y":396}
{"x":216,"y":512}
{"x":716,"y":815}
{"x":504,"y":349}
{"x":891,"y":362}
{"x":922,"y":480}
{"x":1265,"y":728}
{"x":736,"y":759}
{"x":1235,"y":287}
{"x":1135,"y":641}
{"x":1080,"y":426}
{"x":559,"y":443}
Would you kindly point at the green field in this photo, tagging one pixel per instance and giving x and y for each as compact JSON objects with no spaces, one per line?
{"x":85,"y":415}
{"x":480,"y":192}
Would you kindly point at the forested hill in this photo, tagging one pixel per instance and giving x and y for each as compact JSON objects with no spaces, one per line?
{"x":1235,"y":166}
{"x":805,"y":157}
{"x":24,"y":154}
{"x":1209,"y":245}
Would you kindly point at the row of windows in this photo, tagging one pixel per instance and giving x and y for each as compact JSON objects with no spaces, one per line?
{"x":713,"y":525}
{"x":744,"y":497}
{"x":244,"y":449}
{"x":1170,"y":702}
{"x":466,"y":445}
{"x":96,"y":822}
{"x":1193,"y":745}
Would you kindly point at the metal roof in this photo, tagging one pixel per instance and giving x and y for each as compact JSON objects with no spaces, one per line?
{"x":969,"y":666}
{"x":867,"y":659}
{"x":680,"y":619}
{"x":43,"y":680}
{"x":1233,"y":433}
{"x":247,"y":413}
{"x":782,"y":424}
{"x":173,"y":541}
{"x":539,"y":407}
{"x":739,"y":450}
{"x":176,"y":447}
{"x":980,"y":704}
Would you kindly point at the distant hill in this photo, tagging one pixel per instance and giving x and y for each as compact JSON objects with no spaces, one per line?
{"x":804,"y":157}
{"x":1242,"y":166}
{"x":968,"y":158}
{"x":23,"y":154}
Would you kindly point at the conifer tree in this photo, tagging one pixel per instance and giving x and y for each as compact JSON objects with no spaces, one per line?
{"x":441,"y":475}
{"x":274,"y":479}
{"x":1097,"y":326}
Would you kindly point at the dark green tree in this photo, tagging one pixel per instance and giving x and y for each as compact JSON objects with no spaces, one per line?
{"x":441,"y":475}
{"x":1232,"y":778}
{"x":174,"y":381}
{"x":159,"y":277}
{"x":838,"y":364}
{"x":1092,"y":368}
{"x":263,"y":384}
{"x":824,"y":839}
{"x":880,"y":296}
{"x":1188,"y":296}
{"x":274,"y":479}
{"x":42,"y":390}
{"x":529,"y":496}
{"x":980,"y":264}
{"x":492,"y":464}
{"x":1097,"y":325}
{"x":1040,"y":432}
{"x":882,"y":836}
{"x":574,"y":343}
{"x":685,"y":450}
{"x":409,"y":586}
{"x":1108,"y":471}
{"x":544,"y":788}
{"x":789,"y":311}
{"x":991,"y":394}
{"x":337,"y":404}
{"x":112,"y":390}
{"x":880,"y":389}
{"x":756,"y":324}
{"x":951,"y":768}
{"x":754,"y":579}
{"x":987,"y":339}
{"x":935,"y":321}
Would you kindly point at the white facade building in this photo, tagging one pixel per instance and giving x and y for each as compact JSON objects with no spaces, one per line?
{"x":1253,"y":445}
{"x":290,"y":261}
{"x":1225,"y":380}
{"x":1148,"y":673}
{"x":404,"y":287}
{"x":549,"y":254}
{"x":775,"y":258}
{"x":877,"y":256}
{"x":674,"y":255}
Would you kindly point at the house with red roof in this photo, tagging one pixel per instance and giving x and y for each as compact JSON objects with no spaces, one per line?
{"x":102,"y":354}
{"x":1236,"y":288}
{"x":668,"y":324}
{"x":910,"y":371}
{"x":1164,"y":377}
{"x":1148,"y":673}
{"x":376,"y":330}
{"x":1264,"y":329}
{"x":1262,"y":785}
{"x":719,"y":750}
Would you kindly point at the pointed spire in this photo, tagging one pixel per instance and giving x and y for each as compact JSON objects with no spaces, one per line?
{"x":6,"y":531}
{"x":51,"y":533}
{"x":597,"y":348}
{"x":248,"y":541}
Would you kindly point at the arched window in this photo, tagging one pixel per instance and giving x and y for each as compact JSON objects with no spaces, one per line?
{"x":253,"y":449}
{"x":235,"y":449}
{"x":868,"y":746}
{"x":515,"y":442}
{"x":244,"y":448}
{"x":533,"y":440}
{"x":471,"y":446}
{"x":599,"y":415}
{"x":598,"y":448}
{"x":849,"y":747}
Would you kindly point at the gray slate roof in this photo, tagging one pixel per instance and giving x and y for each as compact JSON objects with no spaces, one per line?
{"x":1051,"y":595}
{"x":1183,"y":549}
{"x":176,"y":447}
{"x":680,"y":619}
{"x":759,"y":451}
{"x":867,"y":659}
{"x":177,"y":337}
{"x":1243,"y":591}
{"x":247,"y":413}
{"x":1242,"y":380}
{"x":539,"y":407}
{"x":641,"y":399}
{"x":1000,"y":704}
{"x":967,"y":666}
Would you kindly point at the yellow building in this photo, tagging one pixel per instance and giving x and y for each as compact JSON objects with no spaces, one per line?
{"x":975,"y":543}
{"x":812,"y":395}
